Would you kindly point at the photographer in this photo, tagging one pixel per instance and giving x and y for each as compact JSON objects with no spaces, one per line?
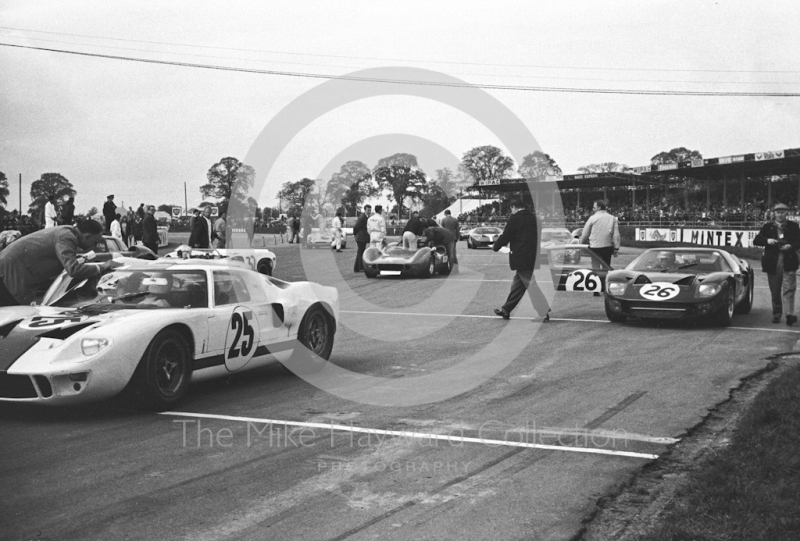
{"x":781,"y":240}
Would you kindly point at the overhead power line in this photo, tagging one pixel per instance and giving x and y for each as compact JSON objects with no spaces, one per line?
{"x":539,"y":66}
{"x":415,"y":82}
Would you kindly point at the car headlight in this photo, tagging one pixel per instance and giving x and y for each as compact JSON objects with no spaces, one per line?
{"x":92,"y":346}
{"x":617,"y":288}
{"x":708,"y":290}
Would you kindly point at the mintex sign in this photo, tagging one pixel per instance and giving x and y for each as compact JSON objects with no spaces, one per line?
{"x":703,"y":237}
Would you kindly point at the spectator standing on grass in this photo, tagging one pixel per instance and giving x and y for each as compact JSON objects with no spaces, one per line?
{"x":50,"y":214}
{"x":35,"y":260}
{"x":452,"y":225}
{"x":67,"y":216}
{"x":295,"y":231}
{"x":116,"y":227}
{"x":602,"y":233}
{"x":336,"y":225}
{"x":308,"y":224}
{"x":220,"y":229}
{"x":150,"y":237}
{"x":523,"y":237}
{"x":202,"y":231}
{"x":250,"y":229}
{"x":781,"y":240}
{"x":361,"y":237}
{"x":376,"y":227}
{"x":109,"y":211}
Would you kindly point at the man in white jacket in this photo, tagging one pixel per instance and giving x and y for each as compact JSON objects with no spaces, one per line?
{"x":376,"y":227}
{"x":337,"y":231}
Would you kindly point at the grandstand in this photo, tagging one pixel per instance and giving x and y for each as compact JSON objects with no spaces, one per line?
{"x":729,"y":191}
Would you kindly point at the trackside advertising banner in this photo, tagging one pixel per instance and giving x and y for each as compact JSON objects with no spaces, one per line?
{"x":704,"y":237}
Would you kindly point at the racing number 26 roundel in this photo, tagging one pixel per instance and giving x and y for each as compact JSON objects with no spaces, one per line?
{"x":242,"y":338}
{"x":584,"y":280}
{"x":659,"y":291}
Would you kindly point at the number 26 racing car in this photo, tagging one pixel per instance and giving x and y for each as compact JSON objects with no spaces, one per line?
{"x":149,"y":329}
{"x":681,"y":283}
{"x":395,"y":260}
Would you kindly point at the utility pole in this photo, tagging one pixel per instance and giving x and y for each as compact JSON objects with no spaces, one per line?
{"x":185,"y":202}
{"x":20,"y":195}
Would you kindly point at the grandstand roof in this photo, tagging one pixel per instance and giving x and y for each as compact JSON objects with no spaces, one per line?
{"x":756,"y":164}
{"x":569,"y":182}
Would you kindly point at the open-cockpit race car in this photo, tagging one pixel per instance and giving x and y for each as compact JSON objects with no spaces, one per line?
{"x":259,"y":260}
{"x":149,"y":329}
{"x":395,"y":260}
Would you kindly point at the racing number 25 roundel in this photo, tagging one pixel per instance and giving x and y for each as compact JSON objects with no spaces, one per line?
{"x":242,"y":338}
{"x":659,"y":291}
{"x":584,"y":280}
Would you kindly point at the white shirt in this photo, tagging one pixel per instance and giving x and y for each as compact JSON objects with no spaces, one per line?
{"x":376,"y":227}
{"x":49,"y":215}
{"x":210,"y":230}
{"x":116,"y":229}
{"x":337,"y":225}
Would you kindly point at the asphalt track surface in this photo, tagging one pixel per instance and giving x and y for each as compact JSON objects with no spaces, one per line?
{"x":525,"y":454}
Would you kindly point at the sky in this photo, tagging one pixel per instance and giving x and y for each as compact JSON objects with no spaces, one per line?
{"x":141,"y":130}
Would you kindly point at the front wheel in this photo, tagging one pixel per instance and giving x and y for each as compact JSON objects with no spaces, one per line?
{"x":315,"y":336}
{"x":265,"y":267}
{"x":612,"y":316}
{"x":745,"y":306}
{"x":162,"y":377}
{"x":725,"y":314}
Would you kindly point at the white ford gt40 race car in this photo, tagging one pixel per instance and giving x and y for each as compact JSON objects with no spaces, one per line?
{"x":149,"y":329}
{"x":260,"y":260}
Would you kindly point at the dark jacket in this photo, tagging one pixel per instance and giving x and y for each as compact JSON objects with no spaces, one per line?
{"x":451,"y":224}
{"x":523,"y":236}
{"x":199,"y":235}
{"x":416,"y":226}
{"x":67,"y":214}
{"x":360,"y":229}
{"x":791,"y":235}
{"x":109,"y":211}
{"x":439,"y":236}
{"x":150,"y":230}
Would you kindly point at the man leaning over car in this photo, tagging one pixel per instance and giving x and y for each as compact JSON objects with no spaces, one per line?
{"x":35,"y":260}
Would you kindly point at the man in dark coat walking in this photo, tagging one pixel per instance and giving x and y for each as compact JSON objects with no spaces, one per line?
{"x":109,"y":212}
{"x":150,"y":237}
{"x":362,"y":238}
{"x":451,"y":224}
{"x":781,"y":240}
{"x":523,"y":236}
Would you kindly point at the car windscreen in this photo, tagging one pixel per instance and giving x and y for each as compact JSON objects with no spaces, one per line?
{"x":143,"y":289}
{"x":688,"y":262}
{"x":487,"y":231}
{"x":555,"y":236}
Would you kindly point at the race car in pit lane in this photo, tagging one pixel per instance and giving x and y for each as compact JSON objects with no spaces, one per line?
{"x":259,"y":260}
{"x":153,"y":328}
{"x":394,"y":260}
{"x":681,"y":283}
{"x":324,"y":239}
{"x":553,"y":236}
{"x":483,"y":237}
{"x":574,"y":267}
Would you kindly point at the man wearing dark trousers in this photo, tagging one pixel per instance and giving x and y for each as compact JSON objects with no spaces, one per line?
{"x":362,"y":238}
{"x":202,"y":231}
{"x":601,"y":232}
{"x":439,"y":236}
{"x":109,"y":211}
{"x":451,"y":224}
{"x":150,"y":237}
{"x":523,"y":236}
{"x":781,"y":240}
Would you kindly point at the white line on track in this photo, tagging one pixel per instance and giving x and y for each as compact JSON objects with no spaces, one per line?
{"x":414,"y":435}
{"x":472,"y":316}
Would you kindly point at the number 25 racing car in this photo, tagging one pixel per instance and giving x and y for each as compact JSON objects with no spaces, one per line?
{"x":681,"y":283}
{"x":148,"y":330}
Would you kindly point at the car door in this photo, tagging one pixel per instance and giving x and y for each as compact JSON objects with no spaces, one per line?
{"x":574,"y":267}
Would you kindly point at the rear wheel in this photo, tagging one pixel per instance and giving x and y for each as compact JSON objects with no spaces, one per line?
{"x":163,"y":375}
{"x":613,"y":316}
{"x":724,"y":315}
{"x":469,"y":244}
{"x":745,"y":306}
{"x":265,"y":267}
{"x":316,"y":336}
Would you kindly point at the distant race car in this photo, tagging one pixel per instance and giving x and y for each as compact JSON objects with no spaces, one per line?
{"x":463,"y":233}
{"x":553,"y":236}
{"x":681,"y":283}
{"x":396,"y":261}
{"x":148,"y":330}
{"x":324,"y":239}
{"x":259,"y":260}
{"x":483,"y":236}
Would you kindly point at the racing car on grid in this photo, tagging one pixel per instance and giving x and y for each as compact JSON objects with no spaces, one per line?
{"x":324,"y":239}
{"x":259,"y":260}
{"x":148,"y":330}
{"x":395,"y":260}
{"x":681,"y":283}
{"x":483,"y":236}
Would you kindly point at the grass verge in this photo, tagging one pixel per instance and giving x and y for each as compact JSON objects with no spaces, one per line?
{"x":749,"y":490}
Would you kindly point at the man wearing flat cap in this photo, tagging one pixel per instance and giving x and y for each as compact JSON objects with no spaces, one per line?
{"x":109,"y":212}
{"x":781,"y":240}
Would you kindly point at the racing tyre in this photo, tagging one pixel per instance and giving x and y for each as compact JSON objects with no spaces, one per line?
{"x":164,"y":372}
{"x":265,"y":267}
{"x":469,"y":245}
{"x":316,"y":335}
{"x":745,"y":306}
{"x":370,"y":274}
{"x":428,"y":272}
{"x":614,"y":318}
{"x":725,"y":314}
